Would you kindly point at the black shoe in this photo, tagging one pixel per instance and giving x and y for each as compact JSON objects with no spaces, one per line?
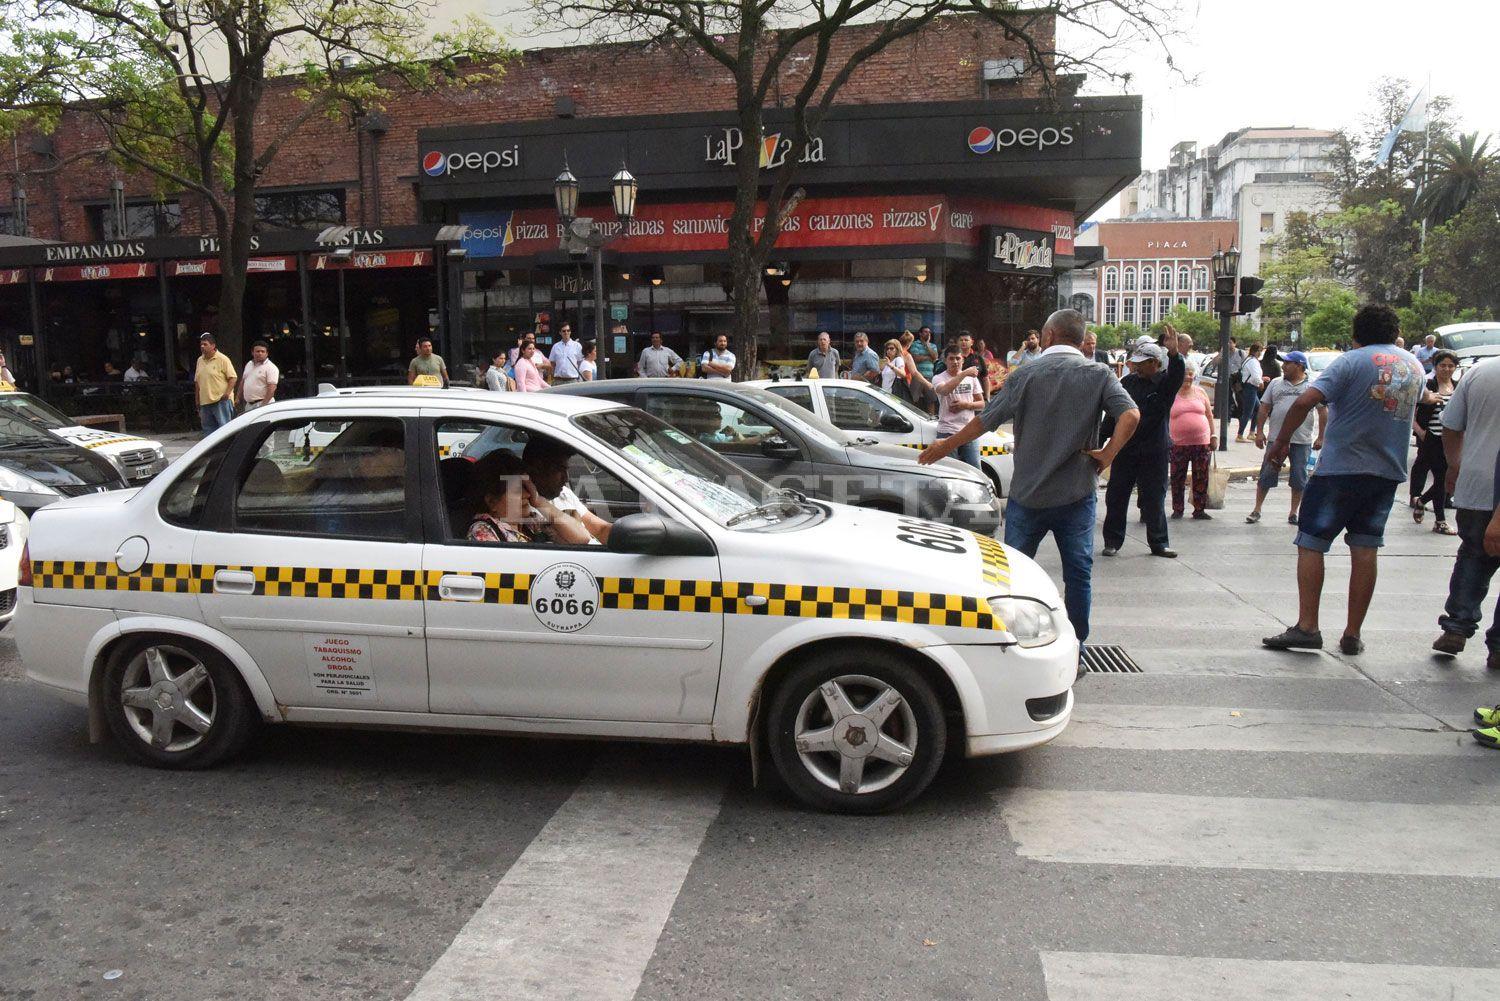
{"x":1351,"y":645}
{"x":1111,"y":550}
{"x":1295,"y":639}
{"x":1164,"y":552}
{"x":1178,"y":514}
{"x":1202,"y":516}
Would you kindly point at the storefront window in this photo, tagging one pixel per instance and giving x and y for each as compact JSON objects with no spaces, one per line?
{"x":141,"y":219}
{"x":300,"y":209}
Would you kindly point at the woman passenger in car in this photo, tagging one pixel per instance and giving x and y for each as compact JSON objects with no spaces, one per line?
{"x":507,"y":508}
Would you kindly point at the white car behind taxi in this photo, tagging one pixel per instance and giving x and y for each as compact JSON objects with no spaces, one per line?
{"x":13,"y":532}
{"x":254,"y":582}
{"x":861,"y":409}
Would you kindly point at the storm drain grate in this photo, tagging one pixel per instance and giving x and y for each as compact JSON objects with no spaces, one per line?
{"x":1109,"y":660}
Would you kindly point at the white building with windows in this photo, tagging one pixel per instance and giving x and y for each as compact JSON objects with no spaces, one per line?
{"x":1207,"y":185}
{"x":1153,"y":266}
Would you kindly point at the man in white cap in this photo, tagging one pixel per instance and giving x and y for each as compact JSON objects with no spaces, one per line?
{"x":1155,"y":377}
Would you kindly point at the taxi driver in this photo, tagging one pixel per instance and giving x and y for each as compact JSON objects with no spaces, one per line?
{"x":546,"y":464}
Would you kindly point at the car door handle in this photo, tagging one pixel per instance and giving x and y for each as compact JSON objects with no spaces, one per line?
{"x":234,"y":582}
{"x":460,"y":587}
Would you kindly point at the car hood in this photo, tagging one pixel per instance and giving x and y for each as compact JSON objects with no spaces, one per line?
{"x":860,"y":547}
{"x":61,"y":468}
{"x":900,"y":459}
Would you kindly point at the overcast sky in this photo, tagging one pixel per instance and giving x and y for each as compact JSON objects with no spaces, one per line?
{"x":1313,"y":63}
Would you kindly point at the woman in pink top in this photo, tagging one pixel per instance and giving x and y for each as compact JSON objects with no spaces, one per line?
{"x":528,"y":379}
{"x":1193,"y":442}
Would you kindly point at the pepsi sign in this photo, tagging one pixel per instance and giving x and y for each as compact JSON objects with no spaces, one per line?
{"x":436,"y":163}
{"x":983,"y":139}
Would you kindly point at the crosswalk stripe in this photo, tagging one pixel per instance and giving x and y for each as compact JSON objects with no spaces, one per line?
{"x":579,"y":913}
{"x":1106,"y":976}
{"x":1314,"y":835}
{"x":1195,"y":728}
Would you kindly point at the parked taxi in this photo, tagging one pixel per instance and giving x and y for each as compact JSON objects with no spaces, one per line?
{"x":648,"y":589}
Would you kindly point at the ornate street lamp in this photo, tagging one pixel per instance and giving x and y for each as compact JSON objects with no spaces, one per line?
{"x":622,"y":190}
{"x":1232,"y":262}
{"x":565,"y":192}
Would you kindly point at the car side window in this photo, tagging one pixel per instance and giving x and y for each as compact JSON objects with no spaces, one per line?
{"x":186,"y":499}
{"x":725,"y":427}
{"x":512,"y":485}
{"x":851,"y":410}
{"x":798,"y":394}
{"x":333,"y":479}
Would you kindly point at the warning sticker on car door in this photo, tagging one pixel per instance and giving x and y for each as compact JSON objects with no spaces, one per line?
{"x":340,"y":665}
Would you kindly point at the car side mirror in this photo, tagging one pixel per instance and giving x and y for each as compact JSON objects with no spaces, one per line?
{"x":652,"y":535}
{"x":894,"y":422}
{"x":780,"y":449}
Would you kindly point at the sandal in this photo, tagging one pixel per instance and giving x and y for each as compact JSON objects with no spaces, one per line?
{"x":1442,"y":528}
{"x":1417,"y":511}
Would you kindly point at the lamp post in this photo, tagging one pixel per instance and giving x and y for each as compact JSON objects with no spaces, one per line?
{"x":582,"y":237}
{"x":1226,"y":270}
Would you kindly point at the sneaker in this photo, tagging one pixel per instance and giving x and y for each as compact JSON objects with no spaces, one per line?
{"x":1202,"y":516}
{"x":1489,"y":736}
{"x":1164,"y":552}
{"x":1295,"y":639}
{"x":1291,"y":519}
{"x":1351,"y":645}
{"x":1252,"y":518}
{"x":1111,"y":550}
{"x":1451,"y":644}
{"x":1487,"y":715}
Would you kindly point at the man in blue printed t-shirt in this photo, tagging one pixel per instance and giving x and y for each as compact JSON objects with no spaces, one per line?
{"x":1371,"y":393}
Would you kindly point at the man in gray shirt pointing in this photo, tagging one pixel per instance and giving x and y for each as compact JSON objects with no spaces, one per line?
{"x":1055,"y":401}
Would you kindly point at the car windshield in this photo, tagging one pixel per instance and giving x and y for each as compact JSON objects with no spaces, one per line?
{"x":807,"y":422}
{"x":912,"y":413}
{"x":34,"y":410}
{"x":17,"y":432}
{"x":1319,"y":360}
{"x":689,"y":469}
{"x":1485,"y":337}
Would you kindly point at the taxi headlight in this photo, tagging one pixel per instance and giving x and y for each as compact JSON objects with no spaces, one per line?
{"x":1031,"y":622}
{"x":971,"y":491}
{"x":23,"y":491}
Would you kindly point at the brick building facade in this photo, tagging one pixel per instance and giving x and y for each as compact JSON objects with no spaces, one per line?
{"x":1151,"y":267}
{"x":940,"y":195}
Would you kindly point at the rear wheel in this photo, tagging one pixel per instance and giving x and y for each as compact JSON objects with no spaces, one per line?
{"x":172,"y":702}
{"x":861,"y":732}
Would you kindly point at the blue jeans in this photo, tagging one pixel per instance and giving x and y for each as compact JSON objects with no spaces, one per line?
{"x":1072,"y":527}
{"x":1470,"y":583}
{"x":965,"y":453}
{"x":215,"y":415}
{"x":1249,"y":400}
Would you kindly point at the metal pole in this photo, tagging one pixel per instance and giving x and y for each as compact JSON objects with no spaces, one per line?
{"x":343,"y":334}
{"x":598,"y":294}
{"x":1224,"y":389}
{"x":304,"y":291}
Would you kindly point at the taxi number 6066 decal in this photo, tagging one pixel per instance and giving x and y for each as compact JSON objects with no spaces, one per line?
{"x":930,"y":536}
{"x":564,"y":597}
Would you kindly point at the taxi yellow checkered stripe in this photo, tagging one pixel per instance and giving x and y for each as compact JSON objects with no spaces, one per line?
{"x":797,"y":601}
{"x":625,"y":593}
{"x":995,"y":568}
{"x":109,"y":441}
{"x":983,"y":449}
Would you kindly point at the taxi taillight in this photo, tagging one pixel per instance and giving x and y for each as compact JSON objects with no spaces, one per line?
{"x":25,"y":580}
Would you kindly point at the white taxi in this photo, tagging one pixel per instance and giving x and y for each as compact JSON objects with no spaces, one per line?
{"x":138,"y":459}
{"x":862,"y":410}
{"x":582,"y":569}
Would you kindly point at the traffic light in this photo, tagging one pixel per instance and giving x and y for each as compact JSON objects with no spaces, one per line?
{"x":1249,"y":300}
{"x":1224,"y":295}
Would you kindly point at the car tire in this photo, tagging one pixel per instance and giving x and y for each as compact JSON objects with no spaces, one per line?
{"x":172,"y":702}
{"x":885,"y":705}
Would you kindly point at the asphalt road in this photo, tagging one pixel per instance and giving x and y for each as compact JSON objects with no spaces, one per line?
{"x":1229,"y":823}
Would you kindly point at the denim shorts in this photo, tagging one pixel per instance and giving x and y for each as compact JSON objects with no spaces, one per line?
{"x":1270,"y":476}
{"x":1356,"y":504}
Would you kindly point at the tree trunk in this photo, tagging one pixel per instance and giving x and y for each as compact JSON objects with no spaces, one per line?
{"x":235,"y":244}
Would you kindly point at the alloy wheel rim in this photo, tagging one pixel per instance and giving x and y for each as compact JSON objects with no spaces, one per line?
{"x":169,"y":698}
{"x":855,"y":734}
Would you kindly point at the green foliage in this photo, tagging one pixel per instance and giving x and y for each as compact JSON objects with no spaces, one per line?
{"x":1115,"y":335}
{"x":1429,"y":309}
{"x":1453,"y":174}
{"x":1463,"y":254}
{"x":1332,"y":322}
{"x":1203,"y":328}
{"x":1298,"y":277}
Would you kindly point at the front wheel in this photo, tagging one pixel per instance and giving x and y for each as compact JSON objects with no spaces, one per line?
{"x":858,"y":733}
{"x":172,"y":702}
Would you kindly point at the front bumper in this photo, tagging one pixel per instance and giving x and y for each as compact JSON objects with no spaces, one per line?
{"x":1017,"y":698}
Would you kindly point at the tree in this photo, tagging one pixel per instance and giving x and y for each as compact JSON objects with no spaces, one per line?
{"x":1452,"y":175}
{"x":1463,"y":254}
{"x":1429,"y":310}
{"x":133,"y":75}
{"x":1332,"y":322}
{"x":1297,"y":278}
{"x":1203,"y":328}
{"x":782,"y":53}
